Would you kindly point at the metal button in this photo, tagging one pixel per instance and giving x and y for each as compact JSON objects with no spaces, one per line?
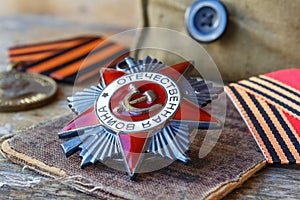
{"x":206,"y":20}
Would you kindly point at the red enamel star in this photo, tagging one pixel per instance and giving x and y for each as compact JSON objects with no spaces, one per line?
{"x":137,"y":112}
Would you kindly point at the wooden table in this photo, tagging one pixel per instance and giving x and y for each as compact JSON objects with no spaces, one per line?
{"x":21,"y":183}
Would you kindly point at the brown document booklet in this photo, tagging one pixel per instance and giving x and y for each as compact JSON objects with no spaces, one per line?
{"x":234,"y":158}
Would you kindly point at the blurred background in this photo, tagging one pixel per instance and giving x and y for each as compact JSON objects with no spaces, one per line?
{"x":31,"y":21}
{"x":81,"y":11}
{"x":260,"y":36}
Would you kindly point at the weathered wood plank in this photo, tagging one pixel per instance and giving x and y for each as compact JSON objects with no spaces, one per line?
{"x":274,"y":182}
{"x":17,"y":182}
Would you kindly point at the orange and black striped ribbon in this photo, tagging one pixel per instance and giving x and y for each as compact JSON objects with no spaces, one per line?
{"x":271,"y":110}
{"x":68,"y":60}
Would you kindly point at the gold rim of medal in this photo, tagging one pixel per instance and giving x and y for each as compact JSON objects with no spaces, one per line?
{"x":23,"y":91}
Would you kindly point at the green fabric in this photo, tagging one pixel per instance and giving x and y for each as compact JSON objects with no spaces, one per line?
{"x":261,"y":36}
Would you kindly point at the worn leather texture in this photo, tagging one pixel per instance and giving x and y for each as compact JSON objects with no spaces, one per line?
{"x":261,"y":36}
{"x":232,"y":161}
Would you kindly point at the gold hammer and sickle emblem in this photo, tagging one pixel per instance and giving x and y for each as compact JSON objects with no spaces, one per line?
{"x":128,"y":104}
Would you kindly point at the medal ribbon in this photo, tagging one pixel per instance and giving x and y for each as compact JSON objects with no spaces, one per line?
{"x":270,"y":105}
{"x":63,"y":60}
